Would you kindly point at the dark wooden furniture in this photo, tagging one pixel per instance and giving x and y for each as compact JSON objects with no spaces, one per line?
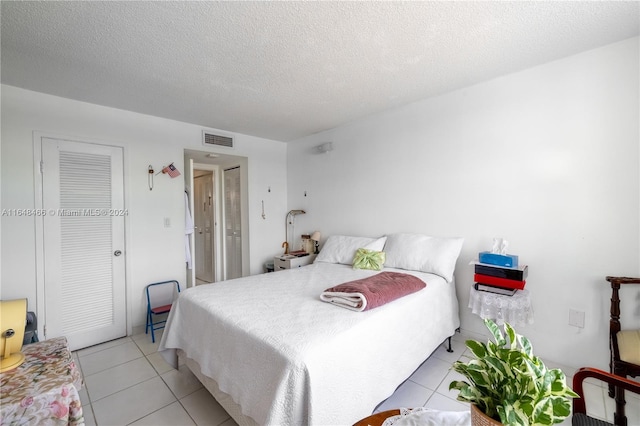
{"x":580,"y":417}
{"x":624,"y":345}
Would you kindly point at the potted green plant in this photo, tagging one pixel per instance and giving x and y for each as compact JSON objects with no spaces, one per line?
{"x":510,"y":385}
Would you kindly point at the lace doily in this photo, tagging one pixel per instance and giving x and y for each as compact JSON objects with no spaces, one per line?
{"x":428,"y":417}
{"x":516,"y":309}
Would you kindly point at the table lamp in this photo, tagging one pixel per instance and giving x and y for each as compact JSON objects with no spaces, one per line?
{"x":13,"y":319}
{"x":291,"y":214}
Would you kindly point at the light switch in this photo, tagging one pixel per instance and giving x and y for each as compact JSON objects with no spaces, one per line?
{"x":576,"y":318}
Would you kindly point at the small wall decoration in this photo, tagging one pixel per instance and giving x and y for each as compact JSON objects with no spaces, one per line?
{"x":150,"y":177}
{"x":171,"y":170}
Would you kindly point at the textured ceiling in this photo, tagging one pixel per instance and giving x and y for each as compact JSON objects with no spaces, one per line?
{"x":284,"y":70}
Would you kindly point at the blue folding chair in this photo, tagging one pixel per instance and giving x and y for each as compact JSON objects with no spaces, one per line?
{"x":160,"y":297}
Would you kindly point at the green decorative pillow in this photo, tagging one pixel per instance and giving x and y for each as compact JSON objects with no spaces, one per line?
{"x":368,"y":259}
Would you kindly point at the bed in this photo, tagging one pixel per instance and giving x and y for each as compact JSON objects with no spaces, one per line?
{"x":271,"y":352}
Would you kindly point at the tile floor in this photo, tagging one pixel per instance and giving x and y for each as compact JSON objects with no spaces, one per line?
{"x":128,"y":383}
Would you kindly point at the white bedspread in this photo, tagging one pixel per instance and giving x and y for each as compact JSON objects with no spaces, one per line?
{"x":285,"y":357}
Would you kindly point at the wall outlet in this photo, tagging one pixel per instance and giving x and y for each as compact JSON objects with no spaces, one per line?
{"x":576,"y":318}
{"x":167,"y":222}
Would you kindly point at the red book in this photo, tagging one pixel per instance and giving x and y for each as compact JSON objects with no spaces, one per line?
{"x":499,"y":282}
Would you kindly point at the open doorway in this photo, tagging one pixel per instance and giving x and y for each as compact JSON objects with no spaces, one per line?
{"x":219,"y":243}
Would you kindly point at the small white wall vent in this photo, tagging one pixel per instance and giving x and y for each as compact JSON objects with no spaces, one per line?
{"x":210,"y":139}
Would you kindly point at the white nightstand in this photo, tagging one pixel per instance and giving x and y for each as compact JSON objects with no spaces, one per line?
{"x":287,"y":261}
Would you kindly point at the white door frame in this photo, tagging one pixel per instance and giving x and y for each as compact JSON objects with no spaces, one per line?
{"x":39,"y":225}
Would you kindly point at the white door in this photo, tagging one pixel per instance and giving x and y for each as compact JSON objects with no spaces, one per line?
{"x":83,"y":242}
{"x":203,"y":214}
{"x":232,"y":223}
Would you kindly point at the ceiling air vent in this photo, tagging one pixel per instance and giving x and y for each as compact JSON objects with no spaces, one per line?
{"x":217,"y":140}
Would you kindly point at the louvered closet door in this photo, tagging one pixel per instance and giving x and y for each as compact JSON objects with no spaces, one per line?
{"x":84,"y":262}
{"x":233,"y":223}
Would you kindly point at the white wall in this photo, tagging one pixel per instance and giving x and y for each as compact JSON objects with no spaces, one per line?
{"x":154,"y":253}
{"x":547,"y":158}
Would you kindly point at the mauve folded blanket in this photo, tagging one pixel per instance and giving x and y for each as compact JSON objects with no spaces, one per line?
{"x":371,"y":292}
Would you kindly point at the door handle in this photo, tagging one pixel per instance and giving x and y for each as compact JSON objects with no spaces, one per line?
{"x":117,"y":253}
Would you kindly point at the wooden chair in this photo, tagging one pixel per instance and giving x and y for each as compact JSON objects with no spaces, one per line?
{"x":580,"y":417}
{"x":624,"y":345}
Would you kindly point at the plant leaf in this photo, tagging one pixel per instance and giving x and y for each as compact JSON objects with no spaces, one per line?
{"x":561,"y":407}
{"x":526,"y":346}
{"x":511,"y":333}
{"x":543,"y":412}
{"x":512,"y":415}
{"x":498,"y":366}
{"x":477,"y":348}
{"x":495,"y":331}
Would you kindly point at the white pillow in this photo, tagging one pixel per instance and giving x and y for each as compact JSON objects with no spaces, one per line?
{"x":342,"y":248}
{"x":416,"y":252}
